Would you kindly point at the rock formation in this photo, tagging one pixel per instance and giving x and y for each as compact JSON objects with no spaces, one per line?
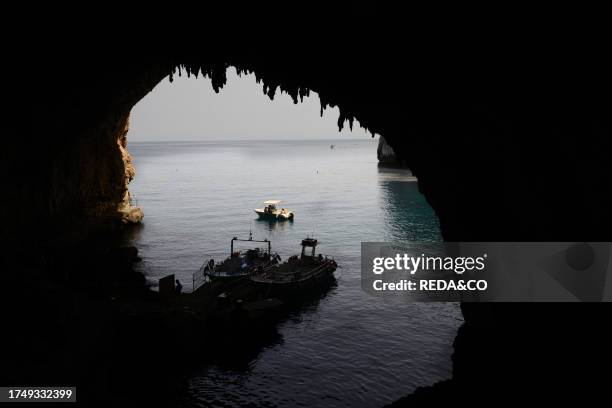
{"x":386,"y":155}
{"x":128,"y":213}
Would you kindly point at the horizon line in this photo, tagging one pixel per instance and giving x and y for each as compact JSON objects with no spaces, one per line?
{"x":248,"y":140}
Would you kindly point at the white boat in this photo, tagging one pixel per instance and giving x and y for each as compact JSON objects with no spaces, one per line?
{"x":271,"y":211}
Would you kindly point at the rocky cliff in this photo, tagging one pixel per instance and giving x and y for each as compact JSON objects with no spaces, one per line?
{"x":129,"y":214}
{"x":104,"y":170}
{"x":66,"y":169}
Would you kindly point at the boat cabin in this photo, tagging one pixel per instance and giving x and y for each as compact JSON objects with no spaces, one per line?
{"x":270,"y":206}
{"x":309,"y":246}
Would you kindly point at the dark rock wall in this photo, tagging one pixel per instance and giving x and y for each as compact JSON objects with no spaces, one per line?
{"x":65,"y":168}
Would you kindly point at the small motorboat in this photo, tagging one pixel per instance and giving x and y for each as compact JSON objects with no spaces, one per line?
{"x":297,"y":274}
{"x":272,"y":212}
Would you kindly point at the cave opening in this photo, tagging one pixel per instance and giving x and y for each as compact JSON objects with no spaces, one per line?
{"x":204,"y":161}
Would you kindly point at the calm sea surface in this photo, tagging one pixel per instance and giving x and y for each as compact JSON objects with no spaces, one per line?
{"x":344,"y":349}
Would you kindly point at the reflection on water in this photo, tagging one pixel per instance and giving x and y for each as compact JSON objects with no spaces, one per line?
{"x":236,"y":348}
{"x":407,"y":215}
{"x":274,"y":225}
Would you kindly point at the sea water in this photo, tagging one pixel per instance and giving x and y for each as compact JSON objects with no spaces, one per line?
{"x":346,"y":348}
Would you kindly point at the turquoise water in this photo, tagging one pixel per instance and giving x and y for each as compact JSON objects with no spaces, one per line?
{"x":345,"y":349}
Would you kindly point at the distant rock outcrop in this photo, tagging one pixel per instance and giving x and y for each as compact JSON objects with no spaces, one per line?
{"x":386,"y":154}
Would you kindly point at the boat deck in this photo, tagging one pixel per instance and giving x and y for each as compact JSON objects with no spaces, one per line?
{"x":231,"y":267}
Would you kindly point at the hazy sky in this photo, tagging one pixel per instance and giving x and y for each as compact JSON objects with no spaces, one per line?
{"x":189,"y":109}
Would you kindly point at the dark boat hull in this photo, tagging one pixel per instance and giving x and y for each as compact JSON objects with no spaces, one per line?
{"x":284,"y":289}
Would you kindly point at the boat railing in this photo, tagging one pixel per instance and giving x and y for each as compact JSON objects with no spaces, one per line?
{"x":275,"y":270}
{"x":198,"y":280}
{"x":202,"y":275}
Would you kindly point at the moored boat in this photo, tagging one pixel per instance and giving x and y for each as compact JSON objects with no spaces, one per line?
{"x":271,"y":211}
{"x":239,"y":264}
{"x":297,"y":274}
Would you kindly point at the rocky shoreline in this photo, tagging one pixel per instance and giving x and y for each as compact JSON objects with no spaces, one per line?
{"x":85,"y":318}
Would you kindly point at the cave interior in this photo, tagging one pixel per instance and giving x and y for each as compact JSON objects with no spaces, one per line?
{"x":508,"y":136}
